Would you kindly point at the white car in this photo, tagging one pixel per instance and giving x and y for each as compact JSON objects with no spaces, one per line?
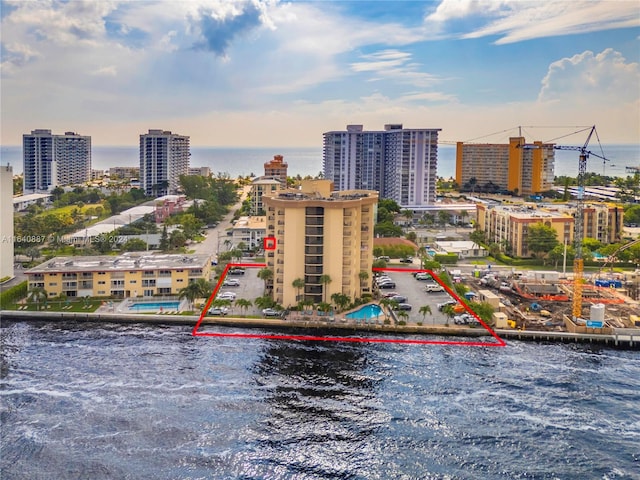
{"x":218,"y":311}
{"x":434,"y":287}
{"x":231,"y":282}
{"x":271,"y":312}
{"x":226,"y":296}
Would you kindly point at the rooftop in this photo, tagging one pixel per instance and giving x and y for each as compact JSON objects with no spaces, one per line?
{"x":131,"y":261}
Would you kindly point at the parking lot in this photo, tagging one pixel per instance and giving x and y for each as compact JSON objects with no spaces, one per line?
{"x":414,"y":290}
{"x":251,"y":287}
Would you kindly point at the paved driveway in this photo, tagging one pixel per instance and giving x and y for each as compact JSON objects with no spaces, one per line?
{"x":414,"y":290}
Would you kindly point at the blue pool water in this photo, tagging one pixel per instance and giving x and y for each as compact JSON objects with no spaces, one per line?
{"x":154,"y":306}
{"x":368,"y":311}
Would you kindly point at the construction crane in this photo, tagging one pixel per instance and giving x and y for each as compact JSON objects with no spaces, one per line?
{"x":578,"y":262}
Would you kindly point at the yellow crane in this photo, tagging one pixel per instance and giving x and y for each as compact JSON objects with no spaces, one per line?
{"x":578,"y":262}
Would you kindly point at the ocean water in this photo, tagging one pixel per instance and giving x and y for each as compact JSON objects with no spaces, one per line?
{"x":308,"y":161}
{"x":89,"y":401}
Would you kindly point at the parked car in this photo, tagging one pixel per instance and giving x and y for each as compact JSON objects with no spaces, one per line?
{"x":398,"y":298}
{"x":406,"y":260}
{"x":236,"y":271}
{"x":434,"y":287}
{"x":422,"y":276}
{"x":384,"y":257}
{"x":402,"y":306}
{"x":226,"y":296}
{"x":218,"y":311}
{"x":389,"y":294}
{"x":271,"y":312}
{"x":231,"y":282}
{"x":387,"y":285}
{"x":444,"y":304}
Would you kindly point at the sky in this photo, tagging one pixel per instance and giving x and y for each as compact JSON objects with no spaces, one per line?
{"x":269,"y":73}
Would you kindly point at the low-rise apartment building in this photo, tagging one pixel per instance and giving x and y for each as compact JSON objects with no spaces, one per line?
{"x":249,"y":232}
{"x":508,"y":225}
{"x":128,"y":275}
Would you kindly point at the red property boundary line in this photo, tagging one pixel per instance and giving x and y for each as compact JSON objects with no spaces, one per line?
{"x":197,"y":333}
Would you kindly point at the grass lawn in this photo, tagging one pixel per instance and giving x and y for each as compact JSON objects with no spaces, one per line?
{"x":70,"y":208}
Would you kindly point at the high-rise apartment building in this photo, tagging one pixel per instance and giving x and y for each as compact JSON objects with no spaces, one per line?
{"x":6,"y":221}
{"x":505,"y":167}
{"x":322,"y":237}
{"x":164,"y":156}
{"x":55,"y":160}
{"x":277,"y":168}
{"x":399,"y":163}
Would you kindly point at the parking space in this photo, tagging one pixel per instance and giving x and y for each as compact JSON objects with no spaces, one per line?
{"x":414,"y":291}
{"x":250,"y":287}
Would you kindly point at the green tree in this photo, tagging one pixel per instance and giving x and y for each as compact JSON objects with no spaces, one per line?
{"x":298,"y":284}
{"x":444,"y":218}
{"x":33,"y":253}
{"x":191,"y":292}
{"x":37,"y":295}
{"x":387,"y":304}
{"x":340,"y":300}
{"x":403,"y":316}
{"x":483,"y":310}
{"x":363,"y":275}
{"x":424,"y":310}
{"x":264,"y":302}
{"x":541,"y":239}
{"x":164,"y":240}
{"x":134,"y":245}
{"x":244,"y":304}
{"x":265,"y":274}
{"x":325,"y":280}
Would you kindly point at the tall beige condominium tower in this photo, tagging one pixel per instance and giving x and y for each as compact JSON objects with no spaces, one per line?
{"x":6,"y":221}
{"x":324,"y":238}
{"x":164,"y":156}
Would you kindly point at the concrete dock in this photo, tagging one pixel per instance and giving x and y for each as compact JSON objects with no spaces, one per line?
{"x":622,"y":338}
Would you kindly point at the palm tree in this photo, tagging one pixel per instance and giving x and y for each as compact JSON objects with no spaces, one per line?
{"x":403,"y":315}
{"x":264,"y":302}
{"x":341,"y":300}
{"x":244,"y":304}
{"x":37,"y":294}
{"x":448,"y":311}
{"x":265,"y":274}
{"x":298,"y":284}
{"x":190,"y":292}
{"x":424,"y":310}
{"x":363,"y":275}
{"x":325,"y":280}
{"x":324,"y":307}
{"x":307,"y":303}
{"x":386,"y":304}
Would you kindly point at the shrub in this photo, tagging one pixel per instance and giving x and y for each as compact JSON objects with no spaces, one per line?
{"x":13,"y":294}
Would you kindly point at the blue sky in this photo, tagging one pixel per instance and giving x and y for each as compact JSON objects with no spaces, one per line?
{"x":274,"y":73}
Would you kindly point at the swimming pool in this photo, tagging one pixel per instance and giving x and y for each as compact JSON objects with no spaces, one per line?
{"x":166,"y":306}
{"x":366,"y":312}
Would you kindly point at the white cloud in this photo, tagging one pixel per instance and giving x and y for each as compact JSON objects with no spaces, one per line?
{"x":395,"y":65}
{"x":592,"y":79}
{"x":516,"y":21}
{"x":109,"y":71}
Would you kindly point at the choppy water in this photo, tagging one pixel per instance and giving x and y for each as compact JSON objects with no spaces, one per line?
{"x":153,"y":402}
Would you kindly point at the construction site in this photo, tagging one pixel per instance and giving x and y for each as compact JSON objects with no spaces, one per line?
{"x":543,"y":301}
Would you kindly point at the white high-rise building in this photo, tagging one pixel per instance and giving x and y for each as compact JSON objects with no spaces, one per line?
{"x":55,"y":160}
{"x":399,"y":163}
{"x":164,"y":156}
{"x":6,"y":221}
